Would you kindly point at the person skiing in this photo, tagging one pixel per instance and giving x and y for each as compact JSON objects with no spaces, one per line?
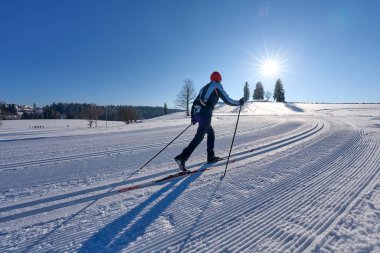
{"x":201,"y":113}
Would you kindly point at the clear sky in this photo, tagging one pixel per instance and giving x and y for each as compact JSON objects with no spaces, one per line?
{"x":138,"y":52}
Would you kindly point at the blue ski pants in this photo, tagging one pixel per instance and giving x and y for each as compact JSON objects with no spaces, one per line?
{"x":204,"y":127}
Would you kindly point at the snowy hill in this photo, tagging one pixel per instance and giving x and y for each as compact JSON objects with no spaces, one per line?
{"x":303,"y":178}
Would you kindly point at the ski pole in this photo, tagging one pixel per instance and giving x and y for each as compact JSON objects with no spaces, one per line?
{"x":163,"y":148}
{"x":232,"y":143}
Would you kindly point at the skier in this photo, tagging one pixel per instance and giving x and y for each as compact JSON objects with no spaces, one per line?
{"x":201,"y":113}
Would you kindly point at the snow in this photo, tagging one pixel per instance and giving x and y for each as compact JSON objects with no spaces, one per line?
{"x":304,"y":178}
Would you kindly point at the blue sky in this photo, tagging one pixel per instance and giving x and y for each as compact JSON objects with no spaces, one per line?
{"x":139,"y":52}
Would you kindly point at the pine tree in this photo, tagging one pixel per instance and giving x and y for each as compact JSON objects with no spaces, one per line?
{"x":258,"y":93}
{"x":165,"y":108}
{"x":246,"y":92}
{"x":279,"y":92}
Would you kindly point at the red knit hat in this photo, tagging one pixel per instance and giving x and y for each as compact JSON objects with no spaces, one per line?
{"x":215,"y":76}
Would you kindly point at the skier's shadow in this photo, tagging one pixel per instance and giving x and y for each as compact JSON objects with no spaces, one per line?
{"x":126,"y":229}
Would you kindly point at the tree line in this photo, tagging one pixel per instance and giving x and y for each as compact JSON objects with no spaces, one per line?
{"x":88,"y":111}
{"x":109,"y":112}
{"x":259,"y":93}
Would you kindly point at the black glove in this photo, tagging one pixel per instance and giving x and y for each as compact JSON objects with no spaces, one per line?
{"x":241,"y":101}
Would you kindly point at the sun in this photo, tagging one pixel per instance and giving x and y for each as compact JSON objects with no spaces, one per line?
{"x":267,"y":65}
{"x":270,"y":68}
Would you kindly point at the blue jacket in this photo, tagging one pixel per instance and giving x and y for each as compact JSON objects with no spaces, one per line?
{"x":207,"y":98}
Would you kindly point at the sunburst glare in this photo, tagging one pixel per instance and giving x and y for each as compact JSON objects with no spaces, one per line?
{"x":268,"y":65}
{"x":270,"y":68}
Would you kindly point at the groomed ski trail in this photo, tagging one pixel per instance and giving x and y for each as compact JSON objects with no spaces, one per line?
{"x":284,"y":193}
{"x":287,"y":216}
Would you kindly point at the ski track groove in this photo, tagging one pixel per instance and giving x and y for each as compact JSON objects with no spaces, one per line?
{"x":333,"y":157}
{"x":322,"y":192}
{"x":206,"y":225}
{"x":265,"y":225}
{"x":197,"y":156}
{"x":10,"y":166}
{"x":352,"y":200}
{"x":165,"y":243}
{"x":273,"y":217}
{"x":102,"y":188}
{"x":340,"y":205}
{"x":307,"y":130}
{"x":327,"y":175}
{"x":302,"y":206}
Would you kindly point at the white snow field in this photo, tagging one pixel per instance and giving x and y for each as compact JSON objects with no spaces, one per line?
{"x":304,"y":178}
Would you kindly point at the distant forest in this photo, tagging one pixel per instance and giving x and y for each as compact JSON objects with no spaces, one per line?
{"x":86,"y":111}
{"x":111,"y":112}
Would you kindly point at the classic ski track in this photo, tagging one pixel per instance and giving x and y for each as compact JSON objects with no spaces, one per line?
{"x":224,"y":133}
{"x":352,"y":201}
{"x":166,"y":243}
{"x":18,"y":134}
{"x":101,"y":188}
{"x":271,"y":213}
{"x":14,"y":166}
{"x":33,"y":132}
{"x":292,"y":235}
{"x":329,"y":239}
{"x":39,"y":133}
{"x":284,"y":208}
{"x":301,"y":130}
{"x":206,"y":225}
{"x":59,"y":159}
{"x":295,"y":138}
{"x":299,"y":206}
{"x":242,"y":155}
{"x":319,"y":188}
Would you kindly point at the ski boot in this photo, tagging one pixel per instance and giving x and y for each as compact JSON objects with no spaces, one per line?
{"x":180,"y":160}
{"x":211,"y":158}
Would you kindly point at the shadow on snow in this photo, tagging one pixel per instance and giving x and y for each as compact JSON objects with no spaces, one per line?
{"x":293,"y":107}
{"x":126,"y":229}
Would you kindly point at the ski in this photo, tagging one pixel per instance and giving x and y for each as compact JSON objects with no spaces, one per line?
{"x":180,"y":174}
{"x":216,"y":160}
{"x":167,"y":178}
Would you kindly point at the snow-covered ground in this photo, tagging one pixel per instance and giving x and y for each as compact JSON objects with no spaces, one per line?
{"x":304,"y":178}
